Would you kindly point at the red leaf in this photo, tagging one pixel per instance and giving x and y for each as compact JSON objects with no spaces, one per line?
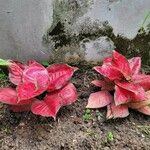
{"x":45,"y":109}
{"x":35,"y":81}
{"x":68,"y":94}
{"x":120,"y":111}
{"x":59,"y":75}
{"x":145,"y":110}
{"x":135,"y":65}
{"x":105,"y":85}
{"x":143,"y":80}
{"x":122,"y":64}
{"x":28,"y":90}
{"x":135,"y":91}
{"x":36,"y":72}
{"x":23,"y":106}
{"x":107,"y":60}
{"x":137,"y":105}
{"x":15,"y":72}
{"x":8,"y":96}
{"x":121,"y":96}
{"x":99,"y":83}
{"x":54,"y":101}
{"x":99,"y":99}
{"x":109,"y":71}
{"x":33,"y":62}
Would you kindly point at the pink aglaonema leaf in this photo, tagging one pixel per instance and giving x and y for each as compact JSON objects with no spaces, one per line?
{"x":28,"y":90}
{"x":107,"y":60}
{"x":22,"y":106}
{"x":120,"y":111}
{"x":109,"y":71}
{"x":135,"y":91}
{"x":33,"y":62}
{"x":135,"y":65}
{"x":99,"y":99}
{"x":143,"y":80}
{"x":140,"y":104}
{"x":16,"y":71}
{"x":8,"y":96}
{"x":35,"y":81}
{"x":105,"y":85}
{"x":35,"y":72}
{"x":137,"y":105}
{"x":59,"y":75}
{"x":122,"y":64}
{"x":44,"y":108}
{"x":99,"y":83}
{"x":121,"y":96}
{"x":54,"y":101}
{"x":145,"y":110}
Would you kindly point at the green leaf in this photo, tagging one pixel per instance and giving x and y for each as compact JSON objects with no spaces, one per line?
{"x":4,"y":62}
{"x":45,"y":63}
{"x":110,"y":136}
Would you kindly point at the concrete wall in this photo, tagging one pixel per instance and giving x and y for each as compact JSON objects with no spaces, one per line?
{"x":22,"y":26}
{"x":69,"y":30}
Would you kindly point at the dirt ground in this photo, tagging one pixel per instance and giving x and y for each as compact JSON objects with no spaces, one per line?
{"x":73,"y":130}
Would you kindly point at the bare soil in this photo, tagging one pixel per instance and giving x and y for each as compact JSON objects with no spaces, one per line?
{"x":25,"y":131}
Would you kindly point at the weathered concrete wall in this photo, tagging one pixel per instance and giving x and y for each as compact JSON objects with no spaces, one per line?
{"x":22,"y":26}
{"x":72,"y":30}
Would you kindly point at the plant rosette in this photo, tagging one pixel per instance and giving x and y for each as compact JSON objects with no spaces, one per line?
{"x":122,"y":77}
{"x":33,"y":79}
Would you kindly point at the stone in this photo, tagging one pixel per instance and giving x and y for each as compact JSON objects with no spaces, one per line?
{"x":97,"y":50}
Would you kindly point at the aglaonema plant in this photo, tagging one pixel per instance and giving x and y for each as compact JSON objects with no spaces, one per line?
{"x":130,"y":87}
{"x":33,"y":79}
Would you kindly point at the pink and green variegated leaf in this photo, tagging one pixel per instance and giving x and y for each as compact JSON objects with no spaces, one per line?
{"x":109,"y":71}
{"x":134,"y":91}
{"x":8,"y":96}
{"x":54,"y":101}
{"x":120,"y":111}
{"x":135,"y":65}
{"x":140,"y":104}
{"x":59,"y":75}
{"x":15,"y":72}
{"x":122,"y":64}
{"x":121,"y":96}
{"x":99,"y":99}
{"x":143,"y":80}
{"x":145,"y":110}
